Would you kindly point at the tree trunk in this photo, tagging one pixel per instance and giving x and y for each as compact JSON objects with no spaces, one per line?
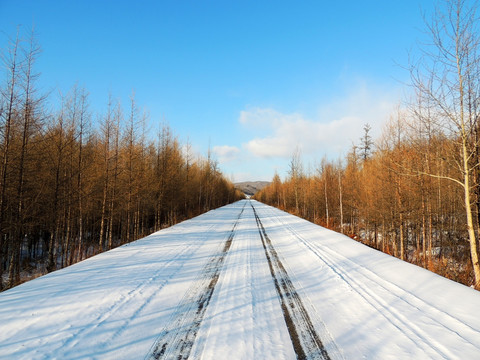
{"x":11,"y":98}
{"x":326,"y":200}
{"x":468,"y":209}
{"x":106,"y":158}
{"x":340,"y":199}
{"x":402,"y":241}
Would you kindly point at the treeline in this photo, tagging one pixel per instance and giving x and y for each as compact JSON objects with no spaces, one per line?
{"x":416,"y":194}
{"x":379,"y":200}
{"x":73,"y":184}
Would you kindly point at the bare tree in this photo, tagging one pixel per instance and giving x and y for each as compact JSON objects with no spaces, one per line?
{"x":107,"y":129}
{"x":295,"y":173}
{"x":130,"y":142}
{"x":441,"y":80}
{"x":324,"y":172}
{"x":59,"y":143}
{"x":340,"y":193}
{"x":366,"y":143}
{"x":28,"y":120}
{"x":118,"y":116}
{"x":66,"y":190}
{"x":82,"y":125}
{"x":9,"y":101}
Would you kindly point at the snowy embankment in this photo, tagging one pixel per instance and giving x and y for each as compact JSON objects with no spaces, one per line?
{"x":244,"y":281}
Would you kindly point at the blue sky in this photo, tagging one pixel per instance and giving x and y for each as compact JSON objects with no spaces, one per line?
{"x":252,"y":80}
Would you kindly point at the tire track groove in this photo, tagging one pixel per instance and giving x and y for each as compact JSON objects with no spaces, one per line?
{"x":394,"y":317}
{"x":305,"y":340}
{"x":126,"y":301}
{"x":177,"y":339}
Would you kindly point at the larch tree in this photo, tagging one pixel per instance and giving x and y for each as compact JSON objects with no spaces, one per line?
{"x":366,"y":143}
{"x":340,"y":193}
{"x":9,"y":103}
{"x":28,"y":121}
{"x":69,"y":190}
{"x":295,"y":172}
{"x":80,"y":100}
{"x":107,"y":128}
{"x":57,"y":148}
{"x":324,"y":172}
{"x":117,"y":119}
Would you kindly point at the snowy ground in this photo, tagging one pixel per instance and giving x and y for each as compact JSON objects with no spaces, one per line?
{"x":245,"y":281}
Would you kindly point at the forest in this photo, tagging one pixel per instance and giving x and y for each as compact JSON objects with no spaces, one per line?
{"x":74,"y":183}
{"x":414,"y":192}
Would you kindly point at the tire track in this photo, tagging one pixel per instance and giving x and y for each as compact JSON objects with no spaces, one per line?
{"x":138,"y":309}
{"x":126,"y":300}
{"x":305,"y":340}
{"x":397,"y":319}
{"x":177,"y":339}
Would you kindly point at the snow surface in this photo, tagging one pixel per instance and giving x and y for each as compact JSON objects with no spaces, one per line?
{"x":208,"y":280}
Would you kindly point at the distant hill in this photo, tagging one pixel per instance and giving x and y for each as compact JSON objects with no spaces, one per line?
{"x":251,"y":187}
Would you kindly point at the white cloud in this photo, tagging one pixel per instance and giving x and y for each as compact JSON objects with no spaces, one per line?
{"x":261,"y":117}
{"x":330,"y":133}
{"x":226,"y":153}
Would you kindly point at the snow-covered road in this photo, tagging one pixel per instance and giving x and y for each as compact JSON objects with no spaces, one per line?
{"x":245,"y":281}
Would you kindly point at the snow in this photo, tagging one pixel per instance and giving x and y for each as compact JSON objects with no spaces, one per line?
{"x":204,"y":288}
